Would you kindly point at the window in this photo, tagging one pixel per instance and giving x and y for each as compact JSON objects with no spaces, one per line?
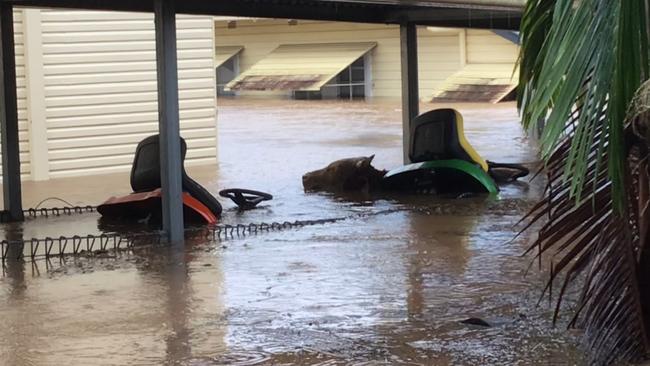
{"x":350,"y":83}
{"x":225,"y":74}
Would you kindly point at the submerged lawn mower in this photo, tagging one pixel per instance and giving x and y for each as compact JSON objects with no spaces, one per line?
{"x":199,"y":206}
{"x":444,"y":162}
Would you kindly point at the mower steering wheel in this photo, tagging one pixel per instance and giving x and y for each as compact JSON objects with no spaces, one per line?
{"x":246,"y":199}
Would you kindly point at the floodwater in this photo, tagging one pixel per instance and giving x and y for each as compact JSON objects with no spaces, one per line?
{"x":388,"y":288}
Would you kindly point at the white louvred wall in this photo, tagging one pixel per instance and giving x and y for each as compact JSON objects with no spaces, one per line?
{"x":99,"y":76}
{"x":23,"y":124}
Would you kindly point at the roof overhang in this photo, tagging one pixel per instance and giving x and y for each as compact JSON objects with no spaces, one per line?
{"x":306,"y":67}
{"x":478,"y":83}
{"x":225,"y":53}
{"x":486,"y":14}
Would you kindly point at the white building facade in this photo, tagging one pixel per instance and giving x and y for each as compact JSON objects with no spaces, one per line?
{"x":87,"y":90}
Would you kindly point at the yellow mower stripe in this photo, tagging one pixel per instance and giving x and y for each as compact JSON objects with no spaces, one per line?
{"x":466,"y":145}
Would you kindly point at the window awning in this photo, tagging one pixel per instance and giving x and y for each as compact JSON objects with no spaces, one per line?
{"x":225,"y":53}
{"x":300,"y":66}
{"x":478,"y":83}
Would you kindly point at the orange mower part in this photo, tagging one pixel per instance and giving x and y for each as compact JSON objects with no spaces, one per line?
{"x":143,"y":204}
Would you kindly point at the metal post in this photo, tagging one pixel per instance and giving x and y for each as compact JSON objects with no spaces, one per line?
{"x":9,"y":118}
{"x":168,"y":120}
{"x":350,"y":81}
{"x":410,"y":98}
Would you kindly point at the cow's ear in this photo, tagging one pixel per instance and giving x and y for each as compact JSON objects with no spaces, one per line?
{"x":365,"y":162}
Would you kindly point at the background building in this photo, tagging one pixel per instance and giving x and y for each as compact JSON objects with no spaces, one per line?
{"x":313,"y":59}
{"x":87,"y":90}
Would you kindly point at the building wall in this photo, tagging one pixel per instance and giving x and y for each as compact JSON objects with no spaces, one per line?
{"x":261,"y":36}
{"x":23,"y":124}
{"x":486,"y":47}
{"x":100,"y":88}
{"x":440,"y":53}
{"x":91,"y":91}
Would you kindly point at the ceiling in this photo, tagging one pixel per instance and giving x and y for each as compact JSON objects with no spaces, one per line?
{"x":486,"y":14}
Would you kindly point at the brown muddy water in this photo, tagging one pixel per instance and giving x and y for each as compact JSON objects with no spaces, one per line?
{"x":384,"y":289}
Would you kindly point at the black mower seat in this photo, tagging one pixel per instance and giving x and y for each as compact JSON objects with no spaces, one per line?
{"x":439,"y":135}
{"x":145,"y":173}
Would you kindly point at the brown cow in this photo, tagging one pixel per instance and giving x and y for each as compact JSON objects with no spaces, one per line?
{"x":345,"y":175}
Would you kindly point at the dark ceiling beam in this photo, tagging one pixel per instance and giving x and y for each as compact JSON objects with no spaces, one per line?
{"x":114,"y":5}
{"x":301,"y":9}
{"x":513,"y":5}
{"x":355,"y":12}
{"x":497,"y":5}
{"x":458,"y":18}
{"x":364,"y":12}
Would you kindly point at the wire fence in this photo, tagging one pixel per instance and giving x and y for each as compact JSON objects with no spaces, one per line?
{"x":49,"y":247}
{"x":5,"y":216}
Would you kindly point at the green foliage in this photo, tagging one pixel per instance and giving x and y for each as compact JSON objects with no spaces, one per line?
{"x":581,"y":64}
{"x":584,"y":58}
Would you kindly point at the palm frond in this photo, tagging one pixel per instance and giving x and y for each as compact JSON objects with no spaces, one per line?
{"x":581,"y":63}
{"x":589,"y":55}
{"x":588,"y":239}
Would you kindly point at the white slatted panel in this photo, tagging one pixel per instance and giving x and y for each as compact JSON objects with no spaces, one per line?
{"x":100,"y":88}
{"x":23,"y":125}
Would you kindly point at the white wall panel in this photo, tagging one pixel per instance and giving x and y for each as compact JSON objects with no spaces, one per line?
{"x":100,"y":88}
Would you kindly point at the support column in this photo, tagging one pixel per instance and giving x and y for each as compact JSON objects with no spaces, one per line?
{"x":410,"y":97}
{"x":168,"y":120}
{"x":9,"y":118}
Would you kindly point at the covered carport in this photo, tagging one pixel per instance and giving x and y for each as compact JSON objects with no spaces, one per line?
{"x":486,"y":14}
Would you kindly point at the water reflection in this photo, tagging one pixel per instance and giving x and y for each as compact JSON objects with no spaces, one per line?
{"x":435,"y":242}
{"x":16,"y":343}
{"x":168,"y":270}
{"x":174,"y":276}
{"x":14,"y":264}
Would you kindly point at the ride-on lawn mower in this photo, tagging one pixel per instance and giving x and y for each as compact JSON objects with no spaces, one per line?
{"x":199,"y":206}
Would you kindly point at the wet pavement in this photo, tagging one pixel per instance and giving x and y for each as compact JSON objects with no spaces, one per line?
{"x":388,"y":288}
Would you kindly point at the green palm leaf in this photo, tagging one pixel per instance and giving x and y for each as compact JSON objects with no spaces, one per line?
{"x":581,"y":63}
